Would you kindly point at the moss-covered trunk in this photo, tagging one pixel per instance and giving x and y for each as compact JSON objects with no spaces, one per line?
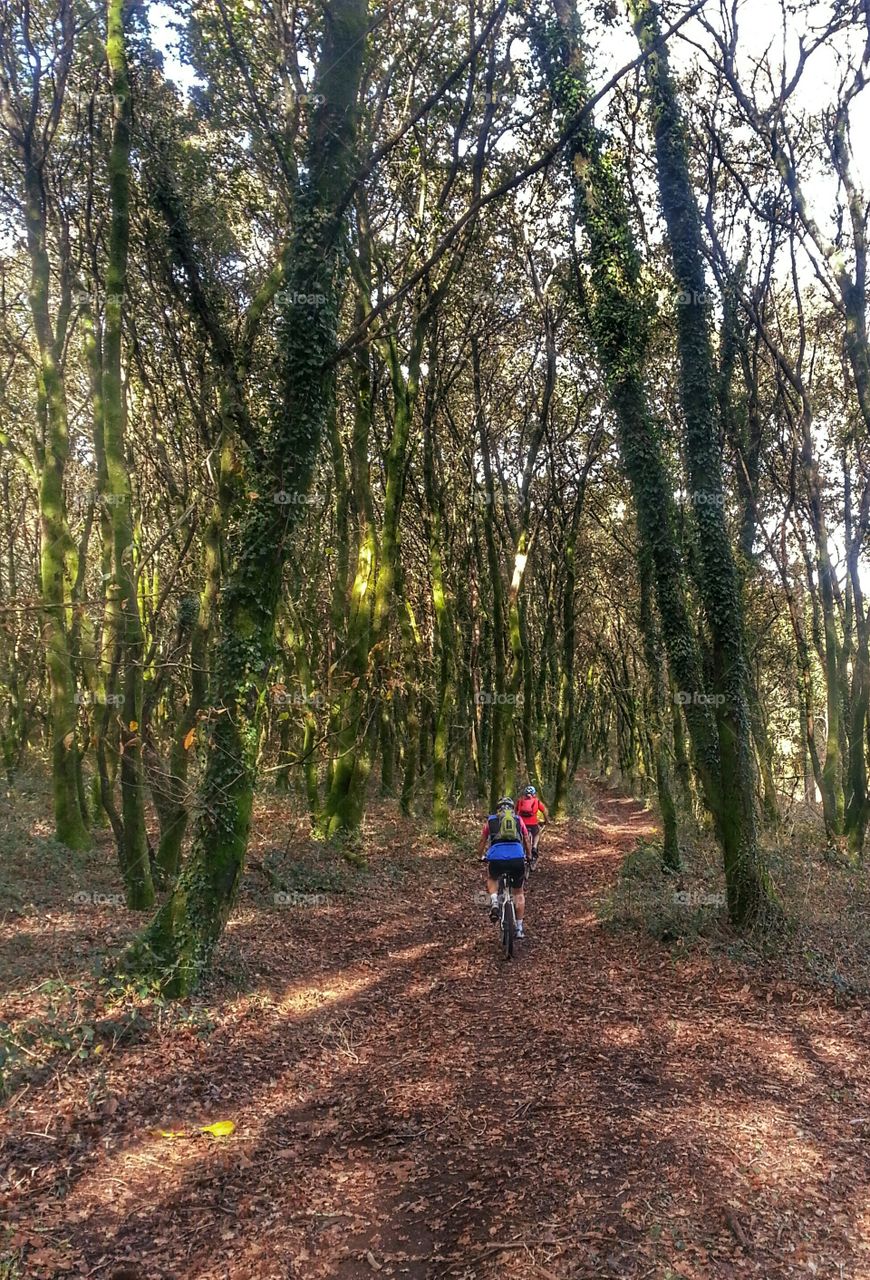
{"x":857,"y":801}
{"x":133,"y":853}
{"x":496,"y":711}
{"x":349,"y":767}
{"x":566,"y":675}
{"x":750,"y":894}
{"x":413,"y":717}
{"x":174,"y":823}
{"x":443,"y":641}
{"x":187,"y":929}
{"x":658,"y":699}
{"x":619,"y":317}
{"x":343,"y":806}
{"x":57,"y":548}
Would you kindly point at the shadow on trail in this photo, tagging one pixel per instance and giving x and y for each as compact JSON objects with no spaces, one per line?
{"x":605,"y":1106}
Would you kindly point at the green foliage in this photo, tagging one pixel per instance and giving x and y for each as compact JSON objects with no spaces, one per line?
{"x":671,"y":907}
{"x":10,"y":1266}
{"x":321,"y":869}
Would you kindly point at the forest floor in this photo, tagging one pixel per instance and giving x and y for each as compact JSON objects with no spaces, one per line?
{"x":407,"y":1104}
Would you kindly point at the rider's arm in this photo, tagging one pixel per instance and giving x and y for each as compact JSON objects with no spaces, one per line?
{"x":482,"y":842}
{"x":527,"y":844}
{"x":542,"y":808}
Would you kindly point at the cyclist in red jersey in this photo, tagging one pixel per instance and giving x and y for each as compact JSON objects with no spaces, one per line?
{"x":531,"y":808}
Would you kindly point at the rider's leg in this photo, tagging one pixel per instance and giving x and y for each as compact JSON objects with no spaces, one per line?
{"x":492,"y":887}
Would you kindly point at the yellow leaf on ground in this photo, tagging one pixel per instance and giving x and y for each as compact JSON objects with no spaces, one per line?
{"x":220,"y":1128}
{"x":188,"y":739}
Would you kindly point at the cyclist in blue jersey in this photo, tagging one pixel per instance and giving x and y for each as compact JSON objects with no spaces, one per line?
{"x":505,"y":843}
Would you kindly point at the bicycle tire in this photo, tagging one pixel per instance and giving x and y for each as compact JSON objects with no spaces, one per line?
{"x":508,"y":929}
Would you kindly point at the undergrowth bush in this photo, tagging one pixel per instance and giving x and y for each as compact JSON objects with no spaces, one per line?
{"x":827,"y":903}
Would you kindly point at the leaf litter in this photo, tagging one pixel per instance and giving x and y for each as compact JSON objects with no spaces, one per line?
{"x":406,"y":1104}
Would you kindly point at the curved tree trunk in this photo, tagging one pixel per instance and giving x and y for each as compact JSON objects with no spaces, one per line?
{"x":187,"y":929}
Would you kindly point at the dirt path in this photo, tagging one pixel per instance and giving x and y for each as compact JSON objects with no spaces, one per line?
{"x":408,"y":1105}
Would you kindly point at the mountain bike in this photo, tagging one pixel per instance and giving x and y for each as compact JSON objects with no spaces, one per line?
{"x":507,"y":916}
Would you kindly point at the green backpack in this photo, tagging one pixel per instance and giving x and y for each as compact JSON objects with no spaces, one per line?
{"x":507,"y":829}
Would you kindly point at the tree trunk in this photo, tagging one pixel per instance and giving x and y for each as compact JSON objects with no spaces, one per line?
{"x":57,"y":548}
{"x":619,"y":319}
{"x":658,"y":688}
{"x":133,"y":852}
{"x":750,"y":894}
{"x":187,"y":929}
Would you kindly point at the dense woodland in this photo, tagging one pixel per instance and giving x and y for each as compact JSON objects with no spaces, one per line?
{"x":419,"y":400}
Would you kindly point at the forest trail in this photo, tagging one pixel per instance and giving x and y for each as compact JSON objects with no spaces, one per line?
{"x":409,"y":1105}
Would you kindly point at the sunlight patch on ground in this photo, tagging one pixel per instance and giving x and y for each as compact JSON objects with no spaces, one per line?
{"x":862,"y":1219}
{"x":833,"y":1052}
{"x":588,"y":920}
{"x":622,"y":1035}
{"x":301,"y":999}
{"x":771,"y":1052}
{"x":412,"y":953}
{"x":42,"y":829}
{"x":751,"y":1132}
{"x":244,"y":917}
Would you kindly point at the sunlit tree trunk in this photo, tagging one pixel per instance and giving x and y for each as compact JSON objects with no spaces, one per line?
{"x":443,"y":644}
{"x":57,"y":547}
{"x":493,"y":701}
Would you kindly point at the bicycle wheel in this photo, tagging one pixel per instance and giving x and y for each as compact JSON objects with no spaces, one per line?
{"x":508,"y":928}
